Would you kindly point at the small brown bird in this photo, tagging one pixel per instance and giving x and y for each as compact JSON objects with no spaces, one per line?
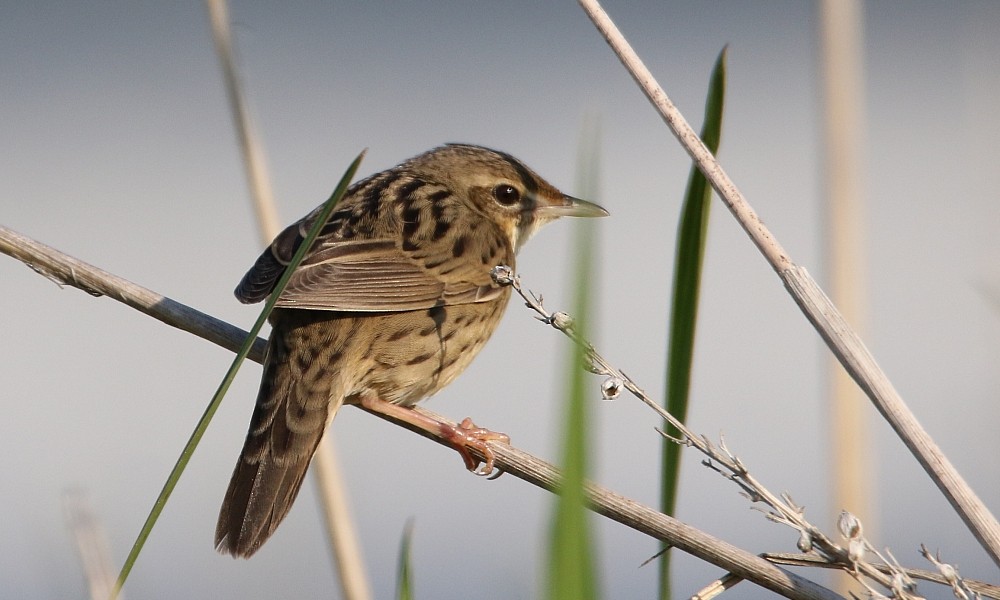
{"x":391,"y":303}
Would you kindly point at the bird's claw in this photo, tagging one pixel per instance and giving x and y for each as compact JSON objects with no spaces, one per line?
{"x":468,"y":435}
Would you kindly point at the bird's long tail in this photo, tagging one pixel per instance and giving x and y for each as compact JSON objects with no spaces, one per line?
{"x":293,"y":408}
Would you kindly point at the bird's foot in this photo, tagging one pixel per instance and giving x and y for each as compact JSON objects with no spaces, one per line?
{"x":467,"y":435}
{"x":462,"y":437}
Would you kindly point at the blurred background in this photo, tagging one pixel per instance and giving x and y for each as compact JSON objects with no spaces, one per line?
{"x":118,"y":148}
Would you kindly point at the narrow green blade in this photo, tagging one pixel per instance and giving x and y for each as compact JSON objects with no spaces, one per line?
{"x":213,"y":406}
{"x":404,"y":573}
{"x":691,"y":235}
{"x":571,"y":573}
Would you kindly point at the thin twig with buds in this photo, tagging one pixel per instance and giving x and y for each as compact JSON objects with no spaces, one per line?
{"x":950,"y":575}
{"x":66,"y":270}
{"x":719,"y":458}
{"x":843,"y":341}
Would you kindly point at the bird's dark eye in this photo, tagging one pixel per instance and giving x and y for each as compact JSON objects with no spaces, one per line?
{"x":506,"y":194}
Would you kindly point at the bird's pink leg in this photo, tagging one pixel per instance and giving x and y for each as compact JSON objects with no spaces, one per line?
{"x":463,"y":436}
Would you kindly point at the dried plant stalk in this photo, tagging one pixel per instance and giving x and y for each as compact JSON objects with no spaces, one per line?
{"x":66,"y":270}
{"x":843,"y":341}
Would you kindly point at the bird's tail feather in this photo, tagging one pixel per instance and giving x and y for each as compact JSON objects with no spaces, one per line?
{"x":294,"y":406}
{"x":259,"y":497}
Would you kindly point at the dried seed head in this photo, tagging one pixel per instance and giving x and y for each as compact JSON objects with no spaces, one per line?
{"x":849,"y":525}
{"x":502,"y":275}
{"x":805,"y":542}
{"x":561,"y":321}
{"x":612,"y":388}
{"x":949,"y":572}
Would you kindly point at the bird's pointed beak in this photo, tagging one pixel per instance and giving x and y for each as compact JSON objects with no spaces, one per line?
{"x":568,"y":206}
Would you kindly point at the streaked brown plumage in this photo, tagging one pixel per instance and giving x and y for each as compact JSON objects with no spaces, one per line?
{"x":392,"y":303}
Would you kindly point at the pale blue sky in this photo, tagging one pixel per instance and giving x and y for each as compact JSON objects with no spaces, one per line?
{"x":118,"y":148}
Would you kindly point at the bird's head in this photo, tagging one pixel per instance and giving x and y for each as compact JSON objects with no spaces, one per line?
{"x":501,"y":188}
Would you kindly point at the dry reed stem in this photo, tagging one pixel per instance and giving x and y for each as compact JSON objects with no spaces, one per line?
{"x":345,"y":546}
{"x":843,"y":341}
{"x":66,"y":270}
{"x":92,"y":544}
{"x":852,"y":559}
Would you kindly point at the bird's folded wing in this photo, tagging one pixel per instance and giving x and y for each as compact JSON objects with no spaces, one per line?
{"x":369,"y":276}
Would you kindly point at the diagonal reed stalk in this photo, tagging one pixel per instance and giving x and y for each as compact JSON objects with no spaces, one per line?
{"x":340,"y":529}
{"x":842,"y":340}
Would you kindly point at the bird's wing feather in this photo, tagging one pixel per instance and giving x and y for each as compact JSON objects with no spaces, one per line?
{"x":395,"y":243}
{"x":377,"y":275}
{"x":364,"y":275}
